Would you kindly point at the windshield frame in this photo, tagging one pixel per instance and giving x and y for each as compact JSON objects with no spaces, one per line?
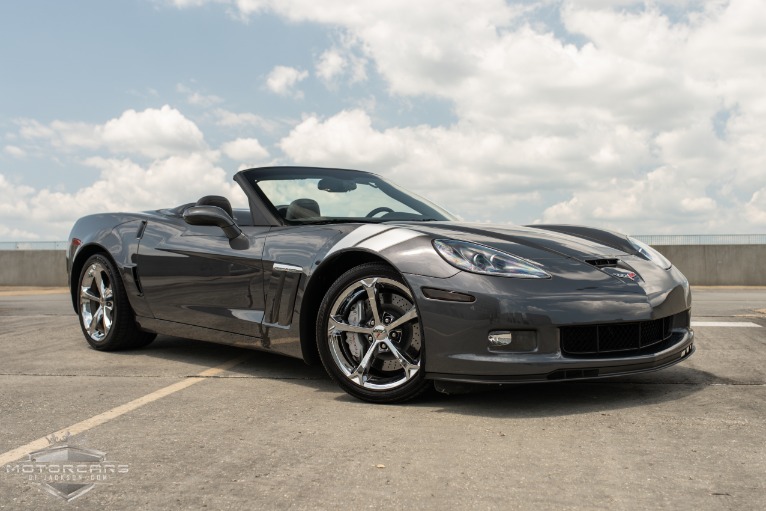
{"x":428,"y":210}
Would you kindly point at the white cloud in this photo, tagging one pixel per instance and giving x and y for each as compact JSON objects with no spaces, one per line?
{"x":283,"y":80}
{"x":346,"y":138}
{"x":62,"y":135}
{"x":197,"y":98}
{"x":31,"y":129}
{"x":15,"y":151}
{"x":227,"y":118}
{"x":180,"y":168}
{"x":621,"y":126}
{"x":667,"y":200}
{"x":13,"y":234}
{"x":154,"y":133}
{"x":344,"y":61}
{"x":644,"y":117}
{"x":13,"y":199}
{"x":192,"y":3}
{"x":126,"y":185}
{"x":354,"y":52}
{"x":330,"y":64}
{"x":697,"y":204}
{"x":756,"y":208}
{"x":480,"y":174}
{"x":230,"y":119}
{"x":245,"y":149}
{"x":122,"y":185}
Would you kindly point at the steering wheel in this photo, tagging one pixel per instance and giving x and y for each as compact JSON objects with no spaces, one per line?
{"x":378,"y":210}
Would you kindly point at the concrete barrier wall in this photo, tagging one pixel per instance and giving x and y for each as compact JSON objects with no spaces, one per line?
{"x":33,"y":268}
{"x":703,"y":265}
{"x":719,"y":265}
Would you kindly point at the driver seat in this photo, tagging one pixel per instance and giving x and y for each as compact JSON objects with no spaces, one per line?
{"x":302,"y":208}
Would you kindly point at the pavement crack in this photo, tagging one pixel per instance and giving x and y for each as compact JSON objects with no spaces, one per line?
{"x":700,"y":384}
{"x":317,"y":378}
{"x":156,"y":376}
{"x":61,"y":375}
{"x":251,"y":377}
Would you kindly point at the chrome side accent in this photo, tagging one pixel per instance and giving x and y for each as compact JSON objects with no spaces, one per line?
{"x":289,"y":268}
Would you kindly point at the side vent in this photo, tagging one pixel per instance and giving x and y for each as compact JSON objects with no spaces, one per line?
{"x":141,"y":229}
{"x":281,"y":292}
{"x":137,"y":280}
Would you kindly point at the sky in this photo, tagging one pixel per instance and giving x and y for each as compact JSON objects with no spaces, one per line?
{"x":641,"y":117}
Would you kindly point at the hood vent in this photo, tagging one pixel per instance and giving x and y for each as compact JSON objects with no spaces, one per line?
{"x":602,"y":263}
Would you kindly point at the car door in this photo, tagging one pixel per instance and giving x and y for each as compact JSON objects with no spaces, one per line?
{"x":190,"y":274}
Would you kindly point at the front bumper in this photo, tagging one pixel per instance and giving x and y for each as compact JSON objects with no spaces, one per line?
{"x":456,"y":334}
{"x":557,"y":369}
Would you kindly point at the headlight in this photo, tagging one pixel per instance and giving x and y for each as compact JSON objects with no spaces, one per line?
{"x":487,"y":261}
{"x":650,"y":254}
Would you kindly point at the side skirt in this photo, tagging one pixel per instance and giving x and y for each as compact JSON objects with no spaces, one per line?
{"x":198,"y":333}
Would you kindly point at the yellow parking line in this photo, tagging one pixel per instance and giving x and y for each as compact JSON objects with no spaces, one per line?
{"x":32,"y":291}
{"x":97,"y":420}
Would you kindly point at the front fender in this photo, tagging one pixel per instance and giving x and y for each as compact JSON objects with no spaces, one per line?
{"x":116,"y":236}
{"x":407,"y":250}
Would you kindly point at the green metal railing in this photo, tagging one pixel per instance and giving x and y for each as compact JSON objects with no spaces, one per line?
{"x":33,"y":245}
{"x":702,"y":239}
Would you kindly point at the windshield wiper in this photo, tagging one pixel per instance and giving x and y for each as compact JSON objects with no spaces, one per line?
{"x":364,"y":221}
{"x":341,"y":221}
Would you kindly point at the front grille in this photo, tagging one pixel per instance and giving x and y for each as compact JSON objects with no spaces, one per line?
{"x":610,"y":338}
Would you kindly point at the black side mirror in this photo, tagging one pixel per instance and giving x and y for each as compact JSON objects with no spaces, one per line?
{"x":213,"y":215}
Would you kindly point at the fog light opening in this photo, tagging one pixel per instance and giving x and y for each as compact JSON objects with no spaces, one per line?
{"x":512,"y":341}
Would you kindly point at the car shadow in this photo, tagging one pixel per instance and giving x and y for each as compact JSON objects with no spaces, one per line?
{"x":516,"y":400}
{"x":205,"y":355}
{"x":575,"y":397}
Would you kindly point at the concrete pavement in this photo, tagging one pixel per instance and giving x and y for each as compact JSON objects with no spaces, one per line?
{"x":273,"y":433}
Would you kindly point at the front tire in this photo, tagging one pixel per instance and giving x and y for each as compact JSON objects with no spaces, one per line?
{"x":106,"y":318}
{"x":369,"y":336}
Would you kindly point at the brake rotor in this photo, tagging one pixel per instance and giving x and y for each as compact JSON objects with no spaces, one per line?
{"x":409,"y":335}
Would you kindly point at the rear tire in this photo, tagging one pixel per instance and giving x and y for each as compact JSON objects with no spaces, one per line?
{"x":106,"y":318}
{"x":369,"y":336}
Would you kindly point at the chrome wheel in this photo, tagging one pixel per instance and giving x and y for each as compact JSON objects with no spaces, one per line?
{"x":96,"y":301}
{"x":374,"y":334}
{"x":106,"y":318}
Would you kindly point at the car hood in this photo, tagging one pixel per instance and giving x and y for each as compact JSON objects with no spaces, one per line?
{"x":565,"y":256}
{"x":527,"y":242}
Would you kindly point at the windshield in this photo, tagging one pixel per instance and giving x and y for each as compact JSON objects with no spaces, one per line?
{"x":356,"y":197}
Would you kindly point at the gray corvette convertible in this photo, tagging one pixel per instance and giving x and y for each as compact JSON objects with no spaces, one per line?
{"x":387,"y":290}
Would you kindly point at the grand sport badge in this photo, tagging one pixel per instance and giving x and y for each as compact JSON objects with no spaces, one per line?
{"x":623,"y":274}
